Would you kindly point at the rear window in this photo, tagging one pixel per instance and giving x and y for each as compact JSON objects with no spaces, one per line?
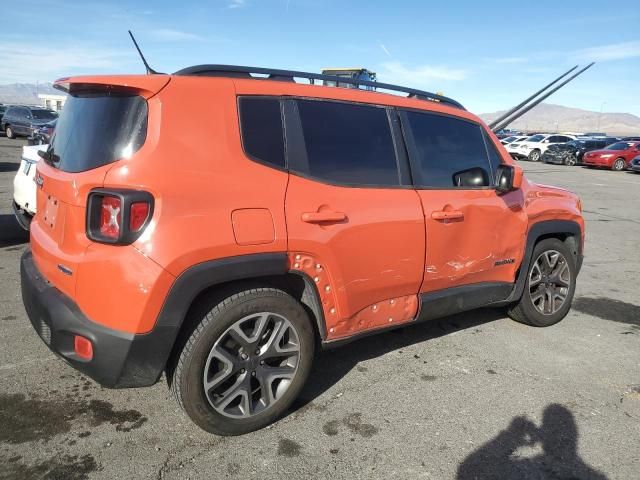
{"x":44,"y":114}
{"x":619,"y":146}
{"x":97,"y":129}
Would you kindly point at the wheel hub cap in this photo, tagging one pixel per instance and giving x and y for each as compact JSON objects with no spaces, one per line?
{"x":251,"y":365}
{"x":549,"y":282}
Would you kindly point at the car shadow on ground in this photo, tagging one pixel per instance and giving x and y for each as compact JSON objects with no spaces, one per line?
{"x":333,"y":364}
{"x":11,"y":233}
{"x":9,"y":167}
{"x":524,"y":450}
{"x":609,"y":309}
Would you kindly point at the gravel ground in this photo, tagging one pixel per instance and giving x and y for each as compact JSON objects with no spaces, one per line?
{"x":471,"y":396}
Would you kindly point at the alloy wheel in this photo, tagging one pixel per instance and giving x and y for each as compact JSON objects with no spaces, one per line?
{"x":618,"y":165}
{"x":549,"y":282}
{"x":570,"y":160}
{"x":251,"y":365}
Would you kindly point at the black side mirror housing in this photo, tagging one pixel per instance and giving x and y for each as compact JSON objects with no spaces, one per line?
{"x":508,"y":178}
{"x":473,"y":177}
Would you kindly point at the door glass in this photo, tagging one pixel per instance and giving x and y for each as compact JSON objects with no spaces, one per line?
{"x":348,"y":144}
{"x":261,"y":129}
{"x":446,"y":150}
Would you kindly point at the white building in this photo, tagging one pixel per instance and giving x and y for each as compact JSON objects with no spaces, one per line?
{"x":52,"y":101}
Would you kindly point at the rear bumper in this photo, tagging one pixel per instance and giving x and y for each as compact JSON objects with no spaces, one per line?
{"x":119,"y":360}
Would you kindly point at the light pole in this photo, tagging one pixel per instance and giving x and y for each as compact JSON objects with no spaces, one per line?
{"x":600,"y":115}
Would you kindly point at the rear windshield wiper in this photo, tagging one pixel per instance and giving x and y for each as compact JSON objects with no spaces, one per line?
{"x":49,"y":157}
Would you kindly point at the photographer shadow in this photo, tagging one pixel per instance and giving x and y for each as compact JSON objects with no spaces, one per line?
{"x":558,"y":438}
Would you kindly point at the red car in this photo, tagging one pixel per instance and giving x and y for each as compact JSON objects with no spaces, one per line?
{"x":616,"y":156}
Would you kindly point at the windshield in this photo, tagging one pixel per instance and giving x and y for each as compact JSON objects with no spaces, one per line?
{"x":535,"y":138}
{"x":44,"y":114}
{"x":509,"y":139}
{"x":619,"y":146}
{"x":97,"y":129}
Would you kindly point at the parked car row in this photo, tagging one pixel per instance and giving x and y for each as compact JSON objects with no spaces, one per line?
{"x":598,"y":150}
{"x":22,"y":120}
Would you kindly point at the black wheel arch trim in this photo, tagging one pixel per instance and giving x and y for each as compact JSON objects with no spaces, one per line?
{"x":537,"y":231}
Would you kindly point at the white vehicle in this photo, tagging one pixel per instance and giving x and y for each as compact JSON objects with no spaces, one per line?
{"x":24,"y":185}
{"x":513,"y":143}
{"x":534,"y":146}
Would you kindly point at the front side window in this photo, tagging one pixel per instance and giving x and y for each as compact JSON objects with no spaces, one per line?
{"x":448,"y":152}
{"x":348,"y":143}
{"x":261,"y":129}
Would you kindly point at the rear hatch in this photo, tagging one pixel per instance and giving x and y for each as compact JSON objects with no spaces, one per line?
{"x":104,"y":120}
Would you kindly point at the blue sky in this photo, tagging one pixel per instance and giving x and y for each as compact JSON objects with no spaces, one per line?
{"x":488,"y":55}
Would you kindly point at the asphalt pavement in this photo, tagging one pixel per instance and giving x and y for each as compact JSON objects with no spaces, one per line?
{"x":475,"y":395}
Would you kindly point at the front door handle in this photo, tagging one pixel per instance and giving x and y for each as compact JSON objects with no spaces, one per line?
{"x":447,"y":215}
{"x":322,"y":217}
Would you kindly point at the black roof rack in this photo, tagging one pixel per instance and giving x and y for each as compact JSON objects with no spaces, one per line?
{"x":237,"y":71}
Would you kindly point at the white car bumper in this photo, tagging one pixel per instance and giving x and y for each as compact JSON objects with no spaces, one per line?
{"x":24,"y":185}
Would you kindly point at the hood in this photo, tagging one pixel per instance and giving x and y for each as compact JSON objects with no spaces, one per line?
{"x":598,"y":153}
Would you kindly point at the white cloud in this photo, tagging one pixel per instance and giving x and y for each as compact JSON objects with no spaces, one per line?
{"x":239,"y":4}
{"x":385,"y":50}
{"x":170,"y":35}
{"x":396,"y":72}
{"x":603,"y":53}
{"x":34,"y":62}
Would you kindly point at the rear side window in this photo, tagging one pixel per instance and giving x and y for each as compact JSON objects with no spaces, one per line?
{"x":98,"y":128}
{"x":348,"y":144}
{"x":448,"y":152}
{"x":261,"y":129}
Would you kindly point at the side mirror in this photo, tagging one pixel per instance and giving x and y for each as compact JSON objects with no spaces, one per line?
{"x":473,"y":177}
{"x":508,"y":178}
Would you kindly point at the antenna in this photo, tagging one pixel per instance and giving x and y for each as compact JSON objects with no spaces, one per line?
{"x":144,"y":60}
{"x":514,"y":115}
{"x":520,"y":105}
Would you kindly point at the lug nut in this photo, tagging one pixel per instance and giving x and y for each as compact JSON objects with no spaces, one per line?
{"x":261,"y":362}
{"x":253,"y":374}
{"x":243,"y":356}
{"x":258,"y":351}
{"x":242,"y":370}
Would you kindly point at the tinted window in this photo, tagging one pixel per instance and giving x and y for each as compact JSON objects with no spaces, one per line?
{"x":348,"y":144}
{"x":261,"y":127}
{"x":43,"y":114}
{"x":535,"y":138}
{"x":447,"y":148}
{"x":98,"y":129}
{"x":619,"y":146}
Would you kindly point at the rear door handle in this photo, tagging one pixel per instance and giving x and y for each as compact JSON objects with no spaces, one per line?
{"x":447,"y":215}
{"x":321,"y":217}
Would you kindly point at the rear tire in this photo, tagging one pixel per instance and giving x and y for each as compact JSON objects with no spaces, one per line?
{"x":246,"y":390}
{"x":618,"y":165}
{"x":570,"y":160}
{"x":549,"y":287}
{"x":9,"y":132}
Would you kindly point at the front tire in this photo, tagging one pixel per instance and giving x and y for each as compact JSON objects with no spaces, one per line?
{"x":549,"y":287}
{"x":9,"y":132}
{"x":245,"y":362}
{"x":534,"y":155}
{"x":618,"y":165}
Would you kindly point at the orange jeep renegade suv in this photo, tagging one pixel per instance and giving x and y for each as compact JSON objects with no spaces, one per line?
{"x":309,"y":216}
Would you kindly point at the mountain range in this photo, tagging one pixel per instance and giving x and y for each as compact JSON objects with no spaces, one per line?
{"x":548,"y":117}
{"x":26,"y":93}
{"x":545,"y":117}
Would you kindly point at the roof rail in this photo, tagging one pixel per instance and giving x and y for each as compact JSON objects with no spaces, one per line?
{"x":237,"y":71}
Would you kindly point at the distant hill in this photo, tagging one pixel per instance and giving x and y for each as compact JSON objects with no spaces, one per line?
{"x":550,"y":118}
{"x":25,"y":92}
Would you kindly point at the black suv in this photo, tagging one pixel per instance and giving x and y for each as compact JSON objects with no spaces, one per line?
{"x":571,"y":153}
{"x":21,"y":121}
